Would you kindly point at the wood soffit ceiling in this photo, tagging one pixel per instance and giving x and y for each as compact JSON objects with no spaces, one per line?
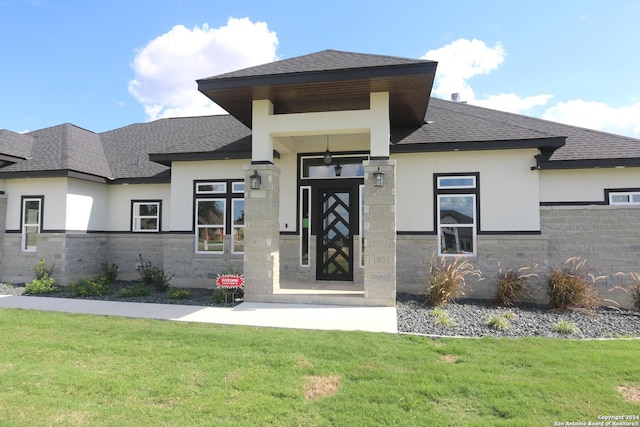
{"x":409,"y":88}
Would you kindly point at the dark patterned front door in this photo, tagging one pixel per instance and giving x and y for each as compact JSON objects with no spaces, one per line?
{"x":335,"y":242}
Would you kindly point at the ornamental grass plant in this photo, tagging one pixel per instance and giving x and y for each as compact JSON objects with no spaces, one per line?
{"x":572,"y":286}
{"x":513,"y":284}
{"x":448,"y":279}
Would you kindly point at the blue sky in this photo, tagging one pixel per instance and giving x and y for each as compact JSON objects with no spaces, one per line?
{"x":103,"y":64}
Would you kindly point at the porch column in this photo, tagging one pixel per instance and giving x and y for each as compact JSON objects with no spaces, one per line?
{"x":261,"y":233}
{"x":380,"y":234}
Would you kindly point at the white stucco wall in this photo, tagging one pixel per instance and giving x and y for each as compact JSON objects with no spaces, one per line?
{"x":508,"y":188}
{"x":86,"y":206}
{"x":54,"y":191}
{"x":119,"y":204}
{"x":585,"y":185}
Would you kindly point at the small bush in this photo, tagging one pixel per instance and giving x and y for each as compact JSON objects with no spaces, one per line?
{"x":44,"y":285}
{"x":565,"y":327}
{"x":447,"y":279}
{"x":137,"y":290}
{"x":154,"y":276}
{"x":218,"y":297}
{"x":86,"y":287}
{"x":41,"y":271}
{"x":513,"y":285}
{"x":441,"y":317}
{"x":631,"y":287}
{"x":499,"y":323}
{"x":109,"y":272}
{"x":571,"y":287}
{"x":175,"y":293}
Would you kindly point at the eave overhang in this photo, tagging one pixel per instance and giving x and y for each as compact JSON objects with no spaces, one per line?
{"x":543,"y":163}
{"x":168,"y":158}
{"x":409,"y":87}
{"x":545,"y":145}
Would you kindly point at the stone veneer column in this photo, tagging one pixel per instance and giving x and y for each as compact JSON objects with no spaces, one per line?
{"x":380,"y":234}
{"x":262,"y":233}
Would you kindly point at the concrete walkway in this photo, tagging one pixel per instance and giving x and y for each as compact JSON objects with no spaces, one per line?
{"x":296,"y":316}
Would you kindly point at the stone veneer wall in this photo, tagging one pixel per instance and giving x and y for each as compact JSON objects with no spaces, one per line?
{"x":608,"y":237}
{"x":415,"y":254}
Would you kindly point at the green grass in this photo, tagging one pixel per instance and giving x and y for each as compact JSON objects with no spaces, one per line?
{"x":76,"y":370}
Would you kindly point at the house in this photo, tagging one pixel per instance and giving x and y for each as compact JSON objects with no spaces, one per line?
{"x":335,"y":178}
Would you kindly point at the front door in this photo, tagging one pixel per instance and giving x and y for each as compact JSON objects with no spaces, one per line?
{"x":335,"y":221}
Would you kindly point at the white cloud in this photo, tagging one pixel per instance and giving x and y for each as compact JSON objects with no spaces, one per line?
{"x":596,"y":115}
{"x":167,"y":67}
{"x":463,"y":59}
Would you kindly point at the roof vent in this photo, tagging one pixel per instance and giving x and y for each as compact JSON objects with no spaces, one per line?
{"x":455,"y":97}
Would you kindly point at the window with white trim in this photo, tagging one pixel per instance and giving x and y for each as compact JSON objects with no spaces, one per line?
{"x":145,"y":216}
{"x":305,"y":225}
{"x":219,"y":212}
{"x":456,"y":214}
{"x":31,"y":222}
{"x":624,"y":198}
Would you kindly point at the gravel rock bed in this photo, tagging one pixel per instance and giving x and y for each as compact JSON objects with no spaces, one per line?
{"x":470,"y":320}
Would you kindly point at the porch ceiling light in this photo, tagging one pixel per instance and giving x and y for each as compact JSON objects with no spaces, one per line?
{"x":327,"y":154}
{"x":378,"y":178}
{"x":255,"y":180}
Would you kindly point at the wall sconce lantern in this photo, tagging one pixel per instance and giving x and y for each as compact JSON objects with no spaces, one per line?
{"x":255,"y":180}
{"x":378,"y":178}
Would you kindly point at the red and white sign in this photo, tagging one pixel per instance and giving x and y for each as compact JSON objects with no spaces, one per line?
{"x":230,"y":281}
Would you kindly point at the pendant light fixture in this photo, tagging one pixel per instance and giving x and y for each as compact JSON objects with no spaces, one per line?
{"x":327,"y":154}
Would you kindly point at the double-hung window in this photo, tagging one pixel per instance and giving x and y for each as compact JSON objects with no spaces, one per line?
{"x":219,"y":209}
{"x":145,"y":216}
{"x":456,"y":213}
{"x":31,"y":222}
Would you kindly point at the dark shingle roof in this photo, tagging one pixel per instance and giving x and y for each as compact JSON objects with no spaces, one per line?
{"x":14,"y":144}
{"x":326,"y":60}
{"x":64,"y":148}
{"x":581,"y":143}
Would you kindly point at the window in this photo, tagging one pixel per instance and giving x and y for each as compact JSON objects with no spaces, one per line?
{"x":145,"y":216}
{"x":237,"y":244}
{"x":456,"y":214}
{"x":305,"y":225}
{"x":219,"y":212}
{"x":624,"y":198}
{"x":31,"y":220}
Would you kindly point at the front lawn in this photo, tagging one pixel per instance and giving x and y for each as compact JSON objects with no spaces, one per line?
{"x":75,"y":370}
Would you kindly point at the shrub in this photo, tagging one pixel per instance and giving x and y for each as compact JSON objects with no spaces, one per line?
{"x":43,"y":282}
{"x":41,"y":271}
{"x":571,"y":287}
{"x":109,"y":272}
{"x":447,"y":279}
{"x":85,"y":287}
{"x":565,"y":327}
{"x":45,"y":285}
{"x":513,"y":284}
{"x":218,"y":297}
{"x":175,"y":293}
{"x":137,"y":290}
{"x":154,"y":276}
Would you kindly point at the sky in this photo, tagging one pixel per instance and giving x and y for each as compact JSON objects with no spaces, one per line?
{"x":104,"y":64}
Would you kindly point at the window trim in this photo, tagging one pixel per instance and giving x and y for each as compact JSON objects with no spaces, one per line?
{"x":233,"y":224}
{"x":24,"y":225}
{"x":158,"y":216}
{"x":457,"y":191}
{"x":232,"y":192}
